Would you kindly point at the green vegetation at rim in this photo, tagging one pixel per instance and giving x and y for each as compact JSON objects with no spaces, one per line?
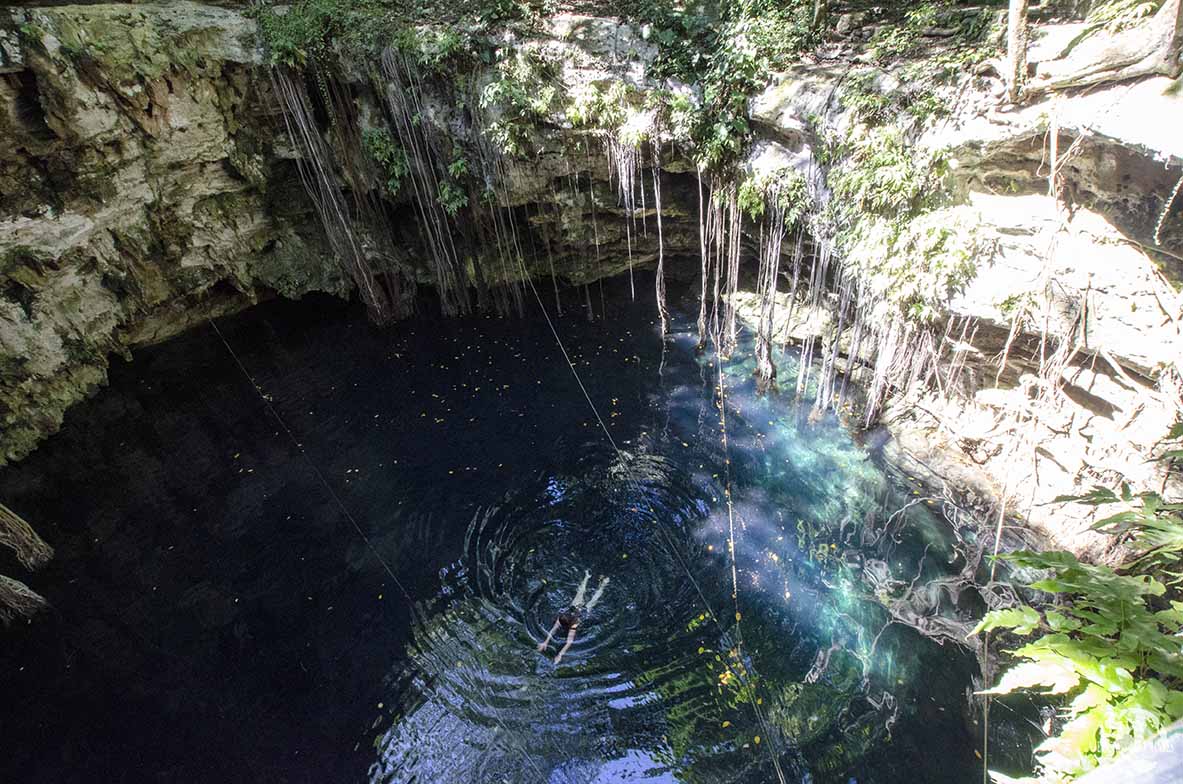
{"x":728,"y":50}
{"x":1108,"y":639}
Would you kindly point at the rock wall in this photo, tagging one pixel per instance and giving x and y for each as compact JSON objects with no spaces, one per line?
{"x":1066,"y":347}
{"x":149,"y":185}
{"x":137,"y":195}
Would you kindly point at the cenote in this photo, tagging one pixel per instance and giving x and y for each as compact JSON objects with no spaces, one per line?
{"x":217,"y":616}
{"x":548,"y":392}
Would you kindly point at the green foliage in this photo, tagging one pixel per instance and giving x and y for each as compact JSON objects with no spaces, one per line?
{"x":306,"y":29}
{"x":451,"y":197}
{"x":1153,"y":527}
{"x":974,"y":37}
{"x":593,"y":106}
{"x":1108,"y":647}
{"x":1111,"y":644}
{"x":731,"y":55}
{"x":886,"y":195}
{"x":31,"y":33}
{"x":388,"y":154}
{"x":882,"y":174}
{"x":897,"y":41}
{"x":519,"y":97}
{"x":784,"y":187}
{"x":434,"y":35}
{"x":1113,"y":16}
{"x":433,"y":47}
{"x":915,"y":266}
{"x":861,"y":96}
{"x":458,"y":168}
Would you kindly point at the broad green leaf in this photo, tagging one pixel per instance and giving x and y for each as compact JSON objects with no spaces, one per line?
{"x":1172,"y":618}
{"x":1077,"y":738}
{"x":1057,"y":675}
{"x":1092,"y":696}
{"x":1021,"y":620}
{"x":1053,"y":559}
{"x":1060,"y":622}
{"x":1096,"y":497}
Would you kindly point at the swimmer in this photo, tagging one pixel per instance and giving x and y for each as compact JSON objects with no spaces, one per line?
{"x":570,"y":618}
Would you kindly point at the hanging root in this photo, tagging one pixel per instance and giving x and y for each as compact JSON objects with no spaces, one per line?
{"x":1166,"y":210}
{"x":17,"y":600}
{"x":662,"y":311}
{"x":31,"y":550}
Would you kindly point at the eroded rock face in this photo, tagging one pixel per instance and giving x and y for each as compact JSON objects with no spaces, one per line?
{"x":135,"y":195}
{"x":1067,"y":343}
{"x":150,"y":185}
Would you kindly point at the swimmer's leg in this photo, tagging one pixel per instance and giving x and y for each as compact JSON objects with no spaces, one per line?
{"x":599,"y":592}
{"x":578,"y":600}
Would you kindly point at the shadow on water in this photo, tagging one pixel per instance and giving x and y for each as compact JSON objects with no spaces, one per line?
{"x":216,"y":617}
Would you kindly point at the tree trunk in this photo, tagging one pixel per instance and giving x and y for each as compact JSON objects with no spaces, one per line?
{"x":1016,"y":48}
{"x":819,"y":13}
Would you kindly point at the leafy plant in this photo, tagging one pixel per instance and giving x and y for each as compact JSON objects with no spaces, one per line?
{"x":895,"y":41}
{"x":1113,"y":16}
{"x":458,"y":168}
{"x":388,"y":154}
{"x":522,"y":94}
{"x":731,"y":56}
{"x":451,"y":197}
{"x":592,"y":106}
{"x":880,"y":173}
{"x":1112,"y":642}
{"x":1104,"y":646}
{"x":785,"y":187}
{"x":1152,"y":526}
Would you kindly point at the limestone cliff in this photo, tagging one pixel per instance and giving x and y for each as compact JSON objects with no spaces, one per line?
{"x":149,"y":184}
{"x":1065,"y":367}
{"x":138,"y":194}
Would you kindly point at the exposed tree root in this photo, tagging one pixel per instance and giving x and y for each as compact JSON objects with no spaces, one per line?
{"x":17,"y":600}
{"x":31,"y":550}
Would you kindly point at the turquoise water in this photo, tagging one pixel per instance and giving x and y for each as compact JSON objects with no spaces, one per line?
{"x":217,"y":616}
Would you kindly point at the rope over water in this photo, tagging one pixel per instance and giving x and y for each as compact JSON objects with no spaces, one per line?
{"x":741,"y":674}
{"x":299,"y":446}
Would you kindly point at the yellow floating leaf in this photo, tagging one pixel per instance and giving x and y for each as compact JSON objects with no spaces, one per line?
{"x":726,"y":724}
{"x":757,"y":740}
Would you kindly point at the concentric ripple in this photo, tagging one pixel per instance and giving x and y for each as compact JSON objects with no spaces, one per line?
{"x":477,"y":699}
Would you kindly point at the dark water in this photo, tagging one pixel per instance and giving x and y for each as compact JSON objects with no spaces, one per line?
{"x":218,"y":618}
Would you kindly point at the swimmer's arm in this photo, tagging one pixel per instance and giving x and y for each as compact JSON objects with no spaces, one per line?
{"x":570,"y":641}
{"x":542,"y":645}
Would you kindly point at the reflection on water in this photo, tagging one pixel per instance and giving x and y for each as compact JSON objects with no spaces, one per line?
{"x":209,"y":596}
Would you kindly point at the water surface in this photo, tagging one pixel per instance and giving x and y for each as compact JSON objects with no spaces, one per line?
{"x":219,"y":617}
